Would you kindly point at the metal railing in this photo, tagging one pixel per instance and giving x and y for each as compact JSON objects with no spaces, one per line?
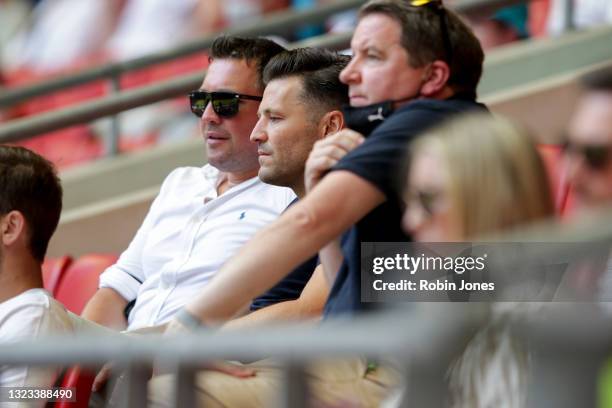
{"x":567,"y":352}
{"x":416,"y":339}
{"x":421,"y":339}
{"x":276,"y":23}
{"x":120,"y":101}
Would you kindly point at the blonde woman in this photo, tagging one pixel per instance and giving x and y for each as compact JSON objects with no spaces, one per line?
{"x":472,"y":176}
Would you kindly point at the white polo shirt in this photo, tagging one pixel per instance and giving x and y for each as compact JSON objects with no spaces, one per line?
{"x":187,"y":235}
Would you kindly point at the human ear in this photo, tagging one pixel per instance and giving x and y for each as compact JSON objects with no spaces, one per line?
{"x":12,"y":226}
{"x":436,"y":77}
{"x":332,"y":122}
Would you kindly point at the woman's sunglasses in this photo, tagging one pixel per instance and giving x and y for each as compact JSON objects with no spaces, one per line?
{"x":427,"y":200}
{"x":225,"y":104}
{"x":597,"y":157}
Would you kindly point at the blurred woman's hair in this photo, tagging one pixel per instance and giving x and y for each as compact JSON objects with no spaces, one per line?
{"x":497,"y":179}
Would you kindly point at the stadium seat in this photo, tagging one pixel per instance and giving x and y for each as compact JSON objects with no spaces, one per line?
{"x":81,"y":380}
{"x":80,"y":281}
{"x":53,"y":270}
{"x":77,"y":286}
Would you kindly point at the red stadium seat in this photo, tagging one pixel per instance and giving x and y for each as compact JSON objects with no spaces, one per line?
{"x":80,"y":281}
{"x":539,"y":11}
{"x":80,"y":379}
{"x":53,"y":270}
{"x":77,"y":286}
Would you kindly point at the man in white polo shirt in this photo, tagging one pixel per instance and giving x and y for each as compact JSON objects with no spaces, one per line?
{"x":201,"y":216}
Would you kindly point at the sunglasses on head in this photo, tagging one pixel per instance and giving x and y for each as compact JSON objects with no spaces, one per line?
{"x":597,"y":157}
{"x":225,"y":104}
{"x":438,"y":7}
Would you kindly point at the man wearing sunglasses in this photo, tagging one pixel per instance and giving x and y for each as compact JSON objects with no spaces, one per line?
{"x":589,"y":144}
{"x":202,"y":215}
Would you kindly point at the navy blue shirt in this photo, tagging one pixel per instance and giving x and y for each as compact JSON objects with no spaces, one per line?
{"x":379,"y":161}
{"x":290,"y":288}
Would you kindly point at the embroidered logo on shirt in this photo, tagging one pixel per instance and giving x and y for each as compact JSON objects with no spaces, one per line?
{"x":242,"y":214}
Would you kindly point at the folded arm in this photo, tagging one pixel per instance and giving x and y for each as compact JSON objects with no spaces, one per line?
{"x":308,"y":306}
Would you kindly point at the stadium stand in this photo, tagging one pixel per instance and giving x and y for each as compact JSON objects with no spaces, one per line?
{"x":530,"y":77}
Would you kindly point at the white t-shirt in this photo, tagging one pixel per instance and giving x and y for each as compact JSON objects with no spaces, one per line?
{"x":189,"y":232}
{"x":30,"y":315}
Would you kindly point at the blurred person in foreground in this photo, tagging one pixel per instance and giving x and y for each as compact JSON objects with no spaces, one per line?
{"x":30,"y":206}
{"x":588,"y":154}
{"x":589,"y":143}
{"x":589,"y":159}
{"x":474,"y":176}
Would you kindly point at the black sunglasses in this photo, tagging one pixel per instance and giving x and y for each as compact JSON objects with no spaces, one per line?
{"x":225,"y":104}
{"x":438,"y":7}
{"x":597,"y":157}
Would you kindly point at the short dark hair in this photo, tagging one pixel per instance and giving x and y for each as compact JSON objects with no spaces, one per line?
{"x":598,"y":80}
{"x":257,"y":50}
{"x":29,"y":184}
{"x":423,"y":39}
{"x":319,"y":71}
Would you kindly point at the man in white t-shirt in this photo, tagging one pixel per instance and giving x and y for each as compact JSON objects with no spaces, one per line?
{"x":202,"y":215}
{"x":30,"y":206}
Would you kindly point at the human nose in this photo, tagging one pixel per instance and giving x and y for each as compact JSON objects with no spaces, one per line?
{"x":413,"y":219}
{"x":350,"y":73}
{"x":209,"y":115}
{"x":258,"y":135}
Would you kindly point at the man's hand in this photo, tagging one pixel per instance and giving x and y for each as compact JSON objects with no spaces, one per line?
{"x":175,"y":327}
{"x":327,"y":152}
{"x":102,"y":377}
